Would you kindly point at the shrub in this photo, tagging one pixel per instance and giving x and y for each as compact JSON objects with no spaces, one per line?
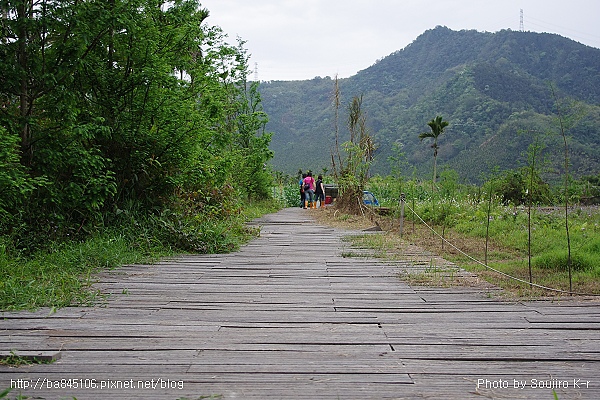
{"x":289,"y":195}
{"x":513,"y":188}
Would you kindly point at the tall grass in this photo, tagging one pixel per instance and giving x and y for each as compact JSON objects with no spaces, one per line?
{"x":62,"y":274}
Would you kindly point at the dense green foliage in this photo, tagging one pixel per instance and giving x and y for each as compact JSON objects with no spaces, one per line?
{"x":120,"y":105}
{"x":128,"y":131}
{"x":492,"y":88}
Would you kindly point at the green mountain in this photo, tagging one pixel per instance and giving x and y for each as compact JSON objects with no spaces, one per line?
{"x":500,"y":92}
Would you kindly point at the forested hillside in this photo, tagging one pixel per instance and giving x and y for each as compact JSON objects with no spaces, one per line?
{"x":500,"y":92}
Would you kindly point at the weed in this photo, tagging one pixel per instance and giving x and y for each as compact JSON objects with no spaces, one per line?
{"x":16,"y":360}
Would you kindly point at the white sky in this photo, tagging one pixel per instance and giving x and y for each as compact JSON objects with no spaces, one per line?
{"x":302,"y":39}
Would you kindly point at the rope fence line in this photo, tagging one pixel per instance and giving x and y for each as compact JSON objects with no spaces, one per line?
{"x":494,"y":269}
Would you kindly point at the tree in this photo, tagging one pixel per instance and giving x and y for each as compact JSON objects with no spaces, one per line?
{"x":437,"y":126}
{"x":352,"y":171}
{"x":112,"y":104}
{"x":43,"y":46}
{"x":251,"y":144}
{"x":532,"y":171}
{"x":563,"y":121}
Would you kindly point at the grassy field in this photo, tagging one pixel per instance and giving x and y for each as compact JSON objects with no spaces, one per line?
{"x":464,"y":242}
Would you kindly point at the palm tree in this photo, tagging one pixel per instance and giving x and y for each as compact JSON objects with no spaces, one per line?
{"x":437,"y":126}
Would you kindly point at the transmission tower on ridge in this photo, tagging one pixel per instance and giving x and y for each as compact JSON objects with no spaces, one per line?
{"x":522,"y":25}
{"x":255,"y":72}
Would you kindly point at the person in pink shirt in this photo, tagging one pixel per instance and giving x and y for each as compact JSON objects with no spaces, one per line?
{"x":309,"y":191}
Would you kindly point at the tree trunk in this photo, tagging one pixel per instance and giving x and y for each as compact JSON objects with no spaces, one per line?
{"x":24,"y":102}
{"x":434,"y":169}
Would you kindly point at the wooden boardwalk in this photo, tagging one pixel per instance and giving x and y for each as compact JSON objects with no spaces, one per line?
{"x":288,"y":317}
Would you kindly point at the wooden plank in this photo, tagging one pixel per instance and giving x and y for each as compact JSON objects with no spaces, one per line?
{"x":265,"y":323}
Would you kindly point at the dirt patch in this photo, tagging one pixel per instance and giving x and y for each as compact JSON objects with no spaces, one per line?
{"x":332,"y":217}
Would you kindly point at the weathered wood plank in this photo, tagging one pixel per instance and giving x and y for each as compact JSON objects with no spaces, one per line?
{"x":265,"y":323}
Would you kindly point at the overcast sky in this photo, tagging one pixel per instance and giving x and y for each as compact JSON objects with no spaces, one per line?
{"x":302,"y":39}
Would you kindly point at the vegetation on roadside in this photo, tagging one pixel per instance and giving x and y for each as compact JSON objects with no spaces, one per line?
{"x":128,"y":131}
{"x":463,"y":210}
{"x":63,"y":273}
{"x":350,"y":167}
{"x":510,"y":225}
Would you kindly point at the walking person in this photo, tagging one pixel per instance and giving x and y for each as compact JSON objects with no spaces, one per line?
{"x":320,"y":192}
{"x":309,"y":191}
{"x":301,"y":183}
